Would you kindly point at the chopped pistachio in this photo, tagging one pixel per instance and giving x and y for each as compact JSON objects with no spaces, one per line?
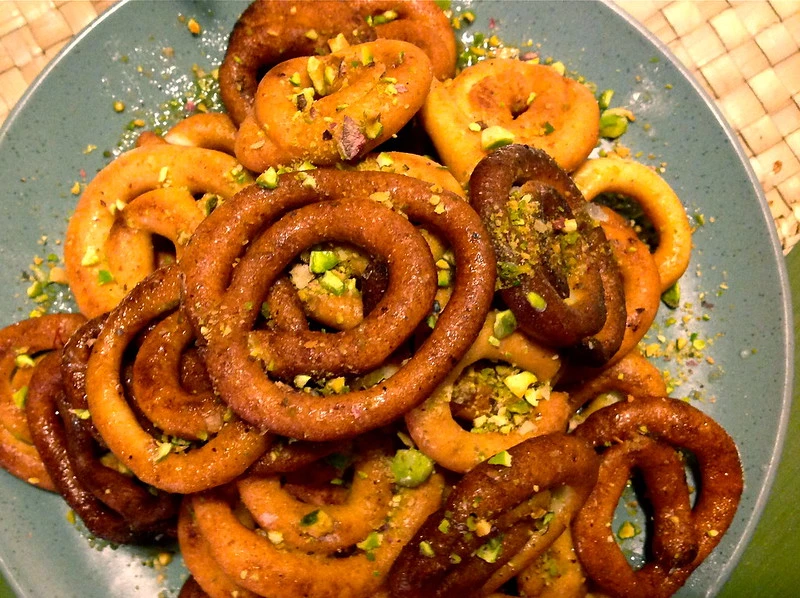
{"x":536,"y":301}
{"x":425,"y":549}
{"x":20,"y":397}
{"x":502,"y":458}
{"x":495,"y":136}
{"x":321,"y":261}
{"x":490,"y":551}
{"x":504,"y":324}
{"x":519,"y":383}
{"x":411,"y":467}
{"x":332,"y":283}
{"x":268,"y":179}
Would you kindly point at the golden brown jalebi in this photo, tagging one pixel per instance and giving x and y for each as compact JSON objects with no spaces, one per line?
{"x":260,"y":561}
{"x":21,"y":344}
{"x":221,"y":459}
{"x":270,"y":32}
{"x":333,"y":108}
{"x":437,"y":433}
{"x":105,"y":256}
{"x":499,"y":101}
{"x":658,"y":201}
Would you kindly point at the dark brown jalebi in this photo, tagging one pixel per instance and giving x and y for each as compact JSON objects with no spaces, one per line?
{"x":223,"y":312}
{"x":684,"y":536}
{"x":484,"y":534}
{"x":111,"y":504}
{"x":557,"y":273}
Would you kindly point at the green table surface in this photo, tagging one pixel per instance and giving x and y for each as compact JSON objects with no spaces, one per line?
{"x":769,"y":567}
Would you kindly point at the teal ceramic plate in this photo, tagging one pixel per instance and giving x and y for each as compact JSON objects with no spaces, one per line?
{"x":140,"y":53}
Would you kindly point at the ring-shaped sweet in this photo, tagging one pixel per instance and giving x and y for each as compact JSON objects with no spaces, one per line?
{"x":169,"y":213}
{"x":339,"y":525}
{"x":272,"y":31}
{"x":633,"y":375}
{"x":74,"y":360}
{"x":419,"y":22}
{"x":414,"y":165}
{"x":269,"y":32}
{"x":493,"y":498}
{"x":366,"y":95}
{"x":214,"y":131}
{"x":532,"y":104}
{"x":640,"y":279}
{"x":220,"y":313}
{"x":97,"y":286}
{"x":409,"y":297}
{"x":21,"y":344}
{"x":658,"y":202}
{"x":109,"y":503}
{"x":259,"y":565}
{"x":210,"y":130}
{"x":210,"y":581}
{"x":678,"y":425}
{"x":556,"y":269}
{"x":158,"y":390}
{"x":221,"y":459}
{"x":439,"y":435}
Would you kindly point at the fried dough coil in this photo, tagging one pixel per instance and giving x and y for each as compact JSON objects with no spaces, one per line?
{"x":561,"y":282}
{"x":340,"y":525}
{"x":494,"y":497}
{"x":633,"y":375}
{"x":210,"y":581}
{"x":221,"y":459}
{"x":209,"y":130}
{"x":110,"y":504}
{"x":217,"y":307}
{"x":673,"y":424}
{"x":365,"y":95}
{"x":439,"y":435}
{"x":272,"y":31}
{"x":419,"y":22}
{"x":408,"y":300}
{"x":414,"y":165}
{"x":20,"y":344}
{"x":159,"y":392}
{"x":261,"y":566}
{"x":657,"y":200}
{"x":104,"y":257}
{"x":640,"y":279}
{"x":535,"y":104}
